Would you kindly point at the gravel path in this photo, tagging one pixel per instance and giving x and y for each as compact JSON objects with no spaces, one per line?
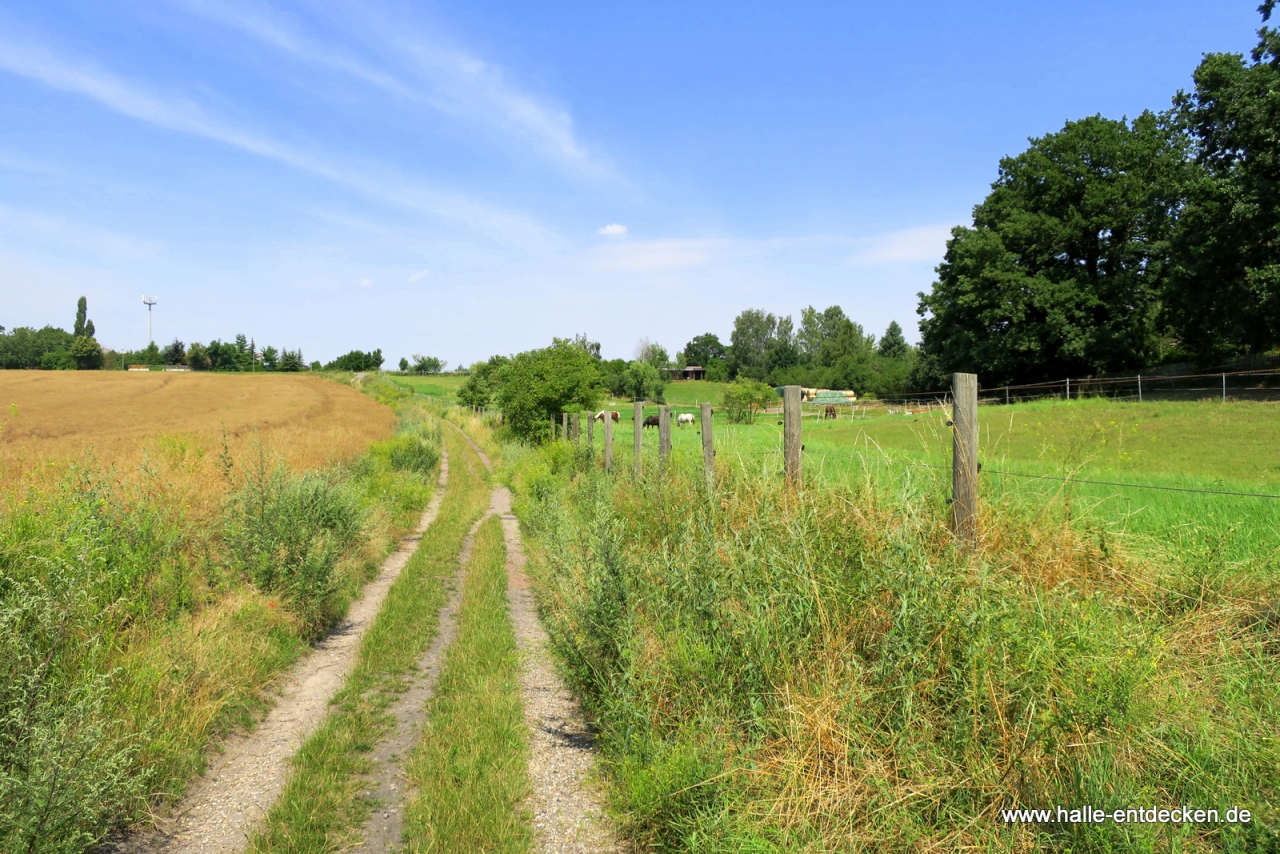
{"x":568,"y":816}
{"x":226,"y":804}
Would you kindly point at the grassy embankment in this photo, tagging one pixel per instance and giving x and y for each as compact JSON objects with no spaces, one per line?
{"x":150,"y":592}
{"x":822,"y":670}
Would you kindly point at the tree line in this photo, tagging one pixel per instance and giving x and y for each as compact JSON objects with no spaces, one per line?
{"x":53,"y":348}
{"x":1111,"y":244}
{"x":828,"y":350}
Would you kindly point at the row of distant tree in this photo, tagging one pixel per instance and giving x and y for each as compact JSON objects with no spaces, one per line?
{"x":828,"y":350}
{"x":1112,"y":245}
{"x":52,"y":348}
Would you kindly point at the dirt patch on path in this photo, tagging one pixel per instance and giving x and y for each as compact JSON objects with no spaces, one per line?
{"x":226,"y":804}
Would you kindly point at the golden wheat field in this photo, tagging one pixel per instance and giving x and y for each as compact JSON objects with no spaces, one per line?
{"x":173,"y":426}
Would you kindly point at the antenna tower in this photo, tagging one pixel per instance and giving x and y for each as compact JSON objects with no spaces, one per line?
{"x":148,"y":302}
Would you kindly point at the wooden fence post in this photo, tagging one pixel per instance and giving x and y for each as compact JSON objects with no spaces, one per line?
{"x":574,"y":422}
{"x":964,"y":458}
{"x":791,"y":433}
{"x":564,"y":426}
{"x":608,"y":441}
{"x":591,"y":430}
{"x":553,"y":428}
{"x":664,"y":435}
{"x":708,"y":445}
{"x":637,"y":409}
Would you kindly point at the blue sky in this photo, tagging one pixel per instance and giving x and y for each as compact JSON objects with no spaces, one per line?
{"x":467,"y":178}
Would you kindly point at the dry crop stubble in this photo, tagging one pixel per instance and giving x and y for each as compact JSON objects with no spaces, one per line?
{"x":174,"y":425}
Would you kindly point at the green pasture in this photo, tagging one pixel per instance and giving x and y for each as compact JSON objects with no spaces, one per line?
{"x":1205,"y":445}
{"x":435,"y":385}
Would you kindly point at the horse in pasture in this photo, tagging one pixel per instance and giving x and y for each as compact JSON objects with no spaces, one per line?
{"x":830,"y":413}
{"x":599,"y":416}
{"x":651,"y":421}
{"x":684,"y":418}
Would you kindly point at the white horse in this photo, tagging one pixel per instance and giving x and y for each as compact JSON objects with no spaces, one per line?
{"x":684,"y":418}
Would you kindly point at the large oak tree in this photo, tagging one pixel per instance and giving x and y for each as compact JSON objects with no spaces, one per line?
{"x":1063,"y":269}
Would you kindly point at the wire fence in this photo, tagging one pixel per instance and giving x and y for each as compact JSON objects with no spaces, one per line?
{"x":1259,"y":385}
{"x":915,"y":463}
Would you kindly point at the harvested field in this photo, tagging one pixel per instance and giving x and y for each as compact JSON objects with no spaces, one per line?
{"x":177,"y":422}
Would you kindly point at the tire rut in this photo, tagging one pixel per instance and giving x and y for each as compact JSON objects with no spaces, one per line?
{"x":384,"y":830}
{"x":566,"y":803}
{"x":227,"y":803}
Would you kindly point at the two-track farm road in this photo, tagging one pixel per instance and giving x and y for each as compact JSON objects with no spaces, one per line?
{"x":567,"y":810}
{"x":228,"y":805}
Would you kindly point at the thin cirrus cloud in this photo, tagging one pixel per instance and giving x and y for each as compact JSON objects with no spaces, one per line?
{"x":923,"y":243}
{"x":181,"y":114}
{"x":656,"y":255}
{"x":613,"y":229}
{"x":447,"y":79}
{"x":419,"y":276}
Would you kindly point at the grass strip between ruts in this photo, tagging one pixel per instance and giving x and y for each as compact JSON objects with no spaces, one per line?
{"x":469,"y":771}
{"x":323,"y":804}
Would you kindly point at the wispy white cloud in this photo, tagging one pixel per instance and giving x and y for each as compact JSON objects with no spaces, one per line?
{"x":179,"y":113}
{"x":925,"y":243}
{"x":448,"y":79}
{"x":28,"y":227}
{"x":613,"y":229}
{"x":366,"y":282}
{"x":656,"y":254}
{"x":419,"y":276}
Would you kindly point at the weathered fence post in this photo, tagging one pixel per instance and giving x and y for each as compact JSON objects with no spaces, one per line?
{"x":1224,"y":388}
{"x":553,"y":428}
{"x":575,"y":424}
{"x":964,"y":458}
{"x":591,"y":430}
{"x":564,"y":426}
{"x":608,"y":441}
{"x":1139,"y":388}
{"x":1068,"y":385}
{"x":791,"y":433}
{"x":664,"y":435}
{"x":708,"y":445}
{"x":637,"y":409}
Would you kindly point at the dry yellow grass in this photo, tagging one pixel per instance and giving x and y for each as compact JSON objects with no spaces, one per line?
{"x":173,"y":425}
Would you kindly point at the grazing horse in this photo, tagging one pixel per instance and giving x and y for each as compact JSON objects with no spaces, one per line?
{"x":651,"y":421}
{"x":830,"y":413}
{"x":599,"y":416}
{"x":684,"y":418}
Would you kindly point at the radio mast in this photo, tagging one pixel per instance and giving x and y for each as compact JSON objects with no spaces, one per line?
{"x":148,"y":302}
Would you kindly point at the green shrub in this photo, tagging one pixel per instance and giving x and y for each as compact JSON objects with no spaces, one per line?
{"x":286,"y":533}
{"x":76,"y":567}
{"x":412,"y":453}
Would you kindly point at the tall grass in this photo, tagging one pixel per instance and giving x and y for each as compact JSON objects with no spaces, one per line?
{"x":821,"y":670}
{"x":132,"y":634}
